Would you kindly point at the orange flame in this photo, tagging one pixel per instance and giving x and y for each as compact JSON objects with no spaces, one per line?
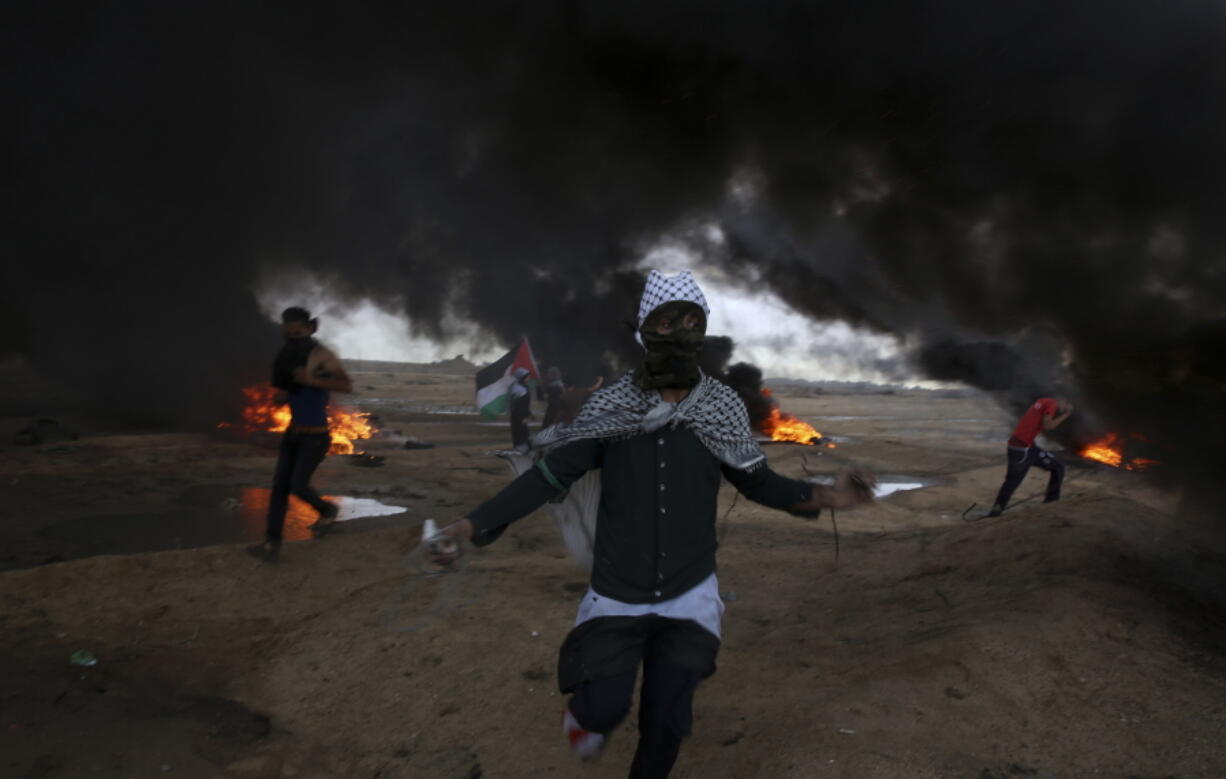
{"x":1109,"y":450}
{"x":347,"y":427}
{"x":262,"y":412}
{"x":782,"y":426}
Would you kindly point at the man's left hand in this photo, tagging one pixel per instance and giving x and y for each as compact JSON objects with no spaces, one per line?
{"x":851,"y":488}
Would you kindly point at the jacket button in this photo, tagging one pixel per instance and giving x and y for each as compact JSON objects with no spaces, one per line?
{"x":661,"y":488}
{"x":661,"y":442}
{"x":661,"y":509}
{"x":657,"y":593}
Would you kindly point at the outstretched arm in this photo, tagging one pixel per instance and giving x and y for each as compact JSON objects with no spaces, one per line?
{"x":851,"y":488}
{"x":550,"y":476}
{"x":802,"y":498}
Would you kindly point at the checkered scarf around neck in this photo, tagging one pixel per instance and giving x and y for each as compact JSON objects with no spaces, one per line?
{"x":712,"y":410}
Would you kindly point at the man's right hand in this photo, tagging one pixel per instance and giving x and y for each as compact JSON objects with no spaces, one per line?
{"x":443,"y":548}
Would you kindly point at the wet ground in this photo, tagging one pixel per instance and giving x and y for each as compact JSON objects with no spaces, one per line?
{"x":204,"y":517}
{"x":122,"y":492}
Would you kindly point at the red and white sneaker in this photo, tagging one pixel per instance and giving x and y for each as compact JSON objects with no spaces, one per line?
{"x":584,"y":743}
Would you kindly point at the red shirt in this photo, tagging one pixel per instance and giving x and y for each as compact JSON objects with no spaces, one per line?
{"x":1031,"y":423}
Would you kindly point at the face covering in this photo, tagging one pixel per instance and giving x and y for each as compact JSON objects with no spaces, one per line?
{"x":671,"y":360}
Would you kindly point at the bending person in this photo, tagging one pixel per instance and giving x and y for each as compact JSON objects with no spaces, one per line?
{"x":1021,"y":452}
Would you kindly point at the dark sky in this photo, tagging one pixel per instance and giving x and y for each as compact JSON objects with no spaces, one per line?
{"x":1028,"y":192}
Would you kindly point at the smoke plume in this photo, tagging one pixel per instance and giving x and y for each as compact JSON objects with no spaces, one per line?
{"x":960,"y":174}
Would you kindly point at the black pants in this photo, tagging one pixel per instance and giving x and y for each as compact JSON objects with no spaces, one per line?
{"x":1020,"y":460}
{"x":520,"y":411}
{"x":300,"y":455}
{"x":675,"y":655}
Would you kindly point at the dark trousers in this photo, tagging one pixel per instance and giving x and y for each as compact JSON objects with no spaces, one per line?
{"x":300,"y":455}
{"x":665,"y":701}
{"x":520,"y":411}
{"x":1020,"y":460}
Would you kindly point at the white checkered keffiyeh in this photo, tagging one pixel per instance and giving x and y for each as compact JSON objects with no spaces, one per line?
{"x":712,"y":410}
{"x":663,"y":289}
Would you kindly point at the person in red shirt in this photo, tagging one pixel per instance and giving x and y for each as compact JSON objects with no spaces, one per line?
{"x":1021,"y":452}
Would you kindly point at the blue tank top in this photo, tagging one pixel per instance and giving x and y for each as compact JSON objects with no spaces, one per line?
{"x":308,"y":407}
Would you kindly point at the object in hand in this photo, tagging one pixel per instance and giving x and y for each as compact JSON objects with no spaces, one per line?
{"x":442,"y":548}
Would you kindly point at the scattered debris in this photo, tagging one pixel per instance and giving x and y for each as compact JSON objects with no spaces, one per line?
{"x":83,"y":658}
{"x":363,"y":460}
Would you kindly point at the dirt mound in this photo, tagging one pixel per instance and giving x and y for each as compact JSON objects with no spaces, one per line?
{"x":1061,"y":641}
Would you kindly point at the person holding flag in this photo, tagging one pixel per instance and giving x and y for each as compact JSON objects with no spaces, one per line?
{"x":521,"y":410}
{"x":505,"y":385}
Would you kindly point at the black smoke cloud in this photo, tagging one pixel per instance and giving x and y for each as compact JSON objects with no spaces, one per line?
{"x":955,"y":173}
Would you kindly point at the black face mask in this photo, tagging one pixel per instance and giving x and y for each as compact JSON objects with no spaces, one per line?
{"x":671,"y":360}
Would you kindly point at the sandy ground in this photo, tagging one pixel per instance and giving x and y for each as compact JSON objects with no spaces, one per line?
{"x":1082,"y":638}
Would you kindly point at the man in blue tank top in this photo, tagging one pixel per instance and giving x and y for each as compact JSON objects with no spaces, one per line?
{"x":306,"y":372}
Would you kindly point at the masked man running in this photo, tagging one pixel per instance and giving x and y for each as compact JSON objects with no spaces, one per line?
{"x":662,"y":437}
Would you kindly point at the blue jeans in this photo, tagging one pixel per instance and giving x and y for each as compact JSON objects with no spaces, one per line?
{"x":1020,"y":460}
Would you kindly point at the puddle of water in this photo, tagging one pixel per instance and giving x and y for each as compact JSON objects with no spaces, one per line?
{"x":202,"y":518}
{"x":886,"y":485}
{"x":889,"y":488}
{"x":360,"y":508}
{"x":250,"y":508}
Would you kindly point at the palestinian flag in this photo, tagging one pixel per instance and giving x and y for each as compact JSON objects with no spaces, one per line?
{"x":495,"y":379}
